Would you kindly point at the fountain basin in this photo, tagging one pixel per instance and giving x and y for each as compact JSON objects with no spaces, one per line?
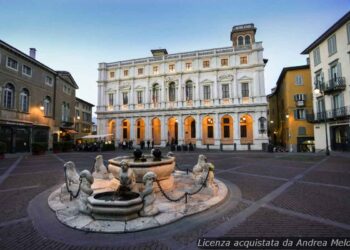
{"x":163,"y":169}
{"x":108,"y":206}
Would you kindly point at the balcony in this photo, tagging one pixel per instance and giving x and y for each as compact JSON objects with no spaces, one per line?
{"x":334,"y":85}
{"x":331,"y":115}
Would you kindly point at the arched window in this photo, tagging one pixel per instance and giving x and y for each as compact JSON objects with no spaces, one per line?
{"x":247,"y":40}
{"x":47,"y":106}
{"x":189,"y":91}
{"x":8,"y":99}
{"x":155,"y":93}
{"x":24,"y":100}
{"x":262,"y":125}
{"x":172,"y":92}
{"x":240,"y":41}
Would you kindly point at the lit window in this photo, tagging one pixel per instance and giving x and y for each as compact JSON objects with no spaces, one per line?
{"x":126,"y":72}
{"x":140,"y":71}
{"x":12,"y":63}
{"x":26,"y":70}
{"x":224,"y":62}
{"x":172,"y":68}
{"x":206,"y":92}
{"x":332,"y":45}
{"x":206,"y":64}
{"x":317,"y":56}
{"x":243,"y":60}
{"x":111,"y":74}
{"x":188,"y":66}
{"x":47,"y":106}
{"x":155,"y":70}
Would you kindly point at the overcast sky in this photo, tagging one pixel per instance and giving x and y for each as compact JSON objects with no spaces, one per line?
{"x":75,"y":35}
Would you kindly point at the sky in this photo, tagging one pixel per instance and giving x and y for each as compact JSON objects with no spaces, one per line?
{"x":76,"y":35}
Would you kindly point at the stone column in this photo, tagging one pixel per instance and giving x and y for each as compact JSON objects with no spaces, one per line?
{"x":198,"y":130}
{"x":118,"y":127}
{"x":148,"y":128}
{"x":164,"y":131}
{"x":236,"y":128}
{"x":217,"y":130}
{"x":180,"y":126}
{"x":132,"y":130}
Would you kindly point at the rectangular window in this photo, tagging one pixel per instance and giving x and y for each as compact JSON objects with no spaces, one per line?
{"x":320,"y":105}
{"x":171,"y":68}
{"x":210,"y":132}
{"x":155,"y":70}
{"x":299,"y":114}
{"x":12,"y":63}
{"x":125,"y":98}
{"x":206,"y":92}
{"x":26,"y":70}
{"x":224,"y":62}
{"x":110,"y":99}
{"x":348,"y":30}
{"x":243,"y":131}
{"x":139,"y":97}
{"x":299,"y":97}
{"x":225,"y":91}
{"x":332,"y":45}
{"x":243,"y":59}
{"x":140,"y":71}
{"x":49,"y":81}
{"x":245,"y":89}
{"x":188,"y":66}
{"x":226,"y":131}
{"x":111,"y":74}
{"x":317,"y":56}
{"x":125,"y":133}
{"x":206,"y":64}
{"x":126,"y":72}
{"x":299,"y":80}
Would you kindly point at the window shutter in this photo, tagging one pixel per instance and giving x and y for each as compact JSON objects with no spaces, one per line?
{"x":296,"y":114}
{"x":341,"y":102}
{"x":339,"y":69}
{"x":329,"y":75}
{"x":315,"y":82}
{"x":295,"y":98}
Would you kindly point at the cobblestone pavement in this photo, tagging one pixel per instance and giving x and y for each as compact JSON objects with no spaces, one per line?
{"x":282,"y":195}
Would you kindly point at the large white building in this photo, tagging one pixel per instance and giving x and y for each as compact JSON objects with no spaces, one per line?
{"x":204,"y":97}
{"x":330,"y":68}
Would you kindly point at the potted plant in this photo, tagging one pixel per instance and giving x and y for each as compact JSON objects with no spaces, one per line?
{"x":2,"y":150}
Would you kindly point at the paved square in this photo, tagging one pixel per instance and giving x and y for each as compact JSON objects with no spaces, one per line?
{"x":281,"y":195}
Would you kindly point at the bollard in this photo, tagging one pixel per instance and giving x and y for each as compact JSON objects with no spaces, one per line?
{"x":221,"y":147}
{"x":249,"y":146}
{"x":234,"y":146}
{"x":208,"y":147}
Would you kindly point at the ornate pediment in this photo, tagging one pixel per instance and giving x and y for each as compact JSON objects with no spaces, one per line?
{"x":206,"y":81}
{"x":139,"y":87}
{"x":125,"y":86}
{"x":171,"y":79}
{"x":245,"y":78}
{"x":227,"y":77}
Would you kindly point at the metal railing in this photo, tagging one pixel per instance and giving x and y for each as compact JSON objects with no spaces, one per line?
{"x":335,"y":84}
{"x":333,"y":114}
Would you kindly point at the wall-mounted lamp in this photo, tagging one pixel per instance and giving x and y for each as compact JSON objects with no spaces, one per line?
{"x":271,"y":122}
{"x":287,"y":116}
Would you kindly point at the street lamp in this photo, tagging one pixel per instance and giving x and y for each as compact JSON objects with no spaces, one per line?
{"x":319,"y":92}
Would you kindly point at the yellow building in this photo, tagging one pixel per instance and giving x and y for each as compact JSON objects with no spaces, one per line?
{"x":289,"y":103}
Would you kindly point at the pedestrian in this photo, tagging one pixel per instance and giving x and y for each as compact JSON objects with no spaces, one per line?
{"x":148,"y":143}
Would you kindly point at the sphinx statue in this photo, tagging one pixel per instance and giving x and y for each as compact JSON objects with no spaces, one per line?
{"x":72,"y":181}
{"x":85,"y":190}
{"x":148,"y":195}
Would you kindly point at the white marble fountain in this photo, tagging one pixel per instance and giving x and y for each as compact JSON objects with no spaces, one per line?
{"x":134,"y":193}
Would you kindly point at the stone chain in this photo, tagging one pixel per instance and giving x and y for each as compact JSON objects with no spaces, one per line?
{"x":185,"y":194}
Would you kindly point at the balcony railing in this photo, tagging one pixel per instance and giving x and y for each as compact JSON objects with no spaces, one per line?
{"x":335,"y":84}
{"x":334,"y":114}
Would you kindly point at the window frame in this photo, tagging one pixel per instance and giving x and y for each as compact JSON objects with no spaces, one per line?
{"x":23,"y":71}
{"x":332,"y":40}
{"x":224,"y":62}
{"x":206,"y":92}
{"x":317,"y":56}
{"x":206,"y":64}
{"x":49,"y":81}
{"x":171,"y":68}
{"x":243,"y":60}
{"x":245,"y":91}
{"x":24,"y":101}
{"x":8,"y":66}
{"x":188,"y":66}
{"x":125,"y":72}
{"x":225,"y":89}
{"x":140,"y":71}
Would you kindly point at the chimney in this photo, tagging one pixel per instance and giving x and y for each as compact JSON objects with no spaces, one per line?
{"x":32,"y":52}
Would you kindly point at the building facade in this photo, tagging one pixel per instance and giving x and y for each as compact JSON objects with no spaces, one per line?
{"x":31,"y":100}
{"x":289,"y":103}
{"x":330,"y":68}
{"x":83,"y":118}
{"x":207,"y":97}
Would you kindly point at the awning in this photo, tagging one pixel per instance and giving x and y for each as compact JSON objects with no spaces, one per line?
{"x":69,"y":131}
{"x":96,"y":136}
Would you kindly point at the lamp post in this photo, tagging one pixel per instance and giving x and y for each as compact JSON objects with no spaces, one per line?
{"x":319,"y":91}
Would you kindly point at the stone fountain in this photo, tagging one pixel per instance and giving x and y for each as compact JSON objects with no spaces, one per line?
{"x":125,"y":196}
